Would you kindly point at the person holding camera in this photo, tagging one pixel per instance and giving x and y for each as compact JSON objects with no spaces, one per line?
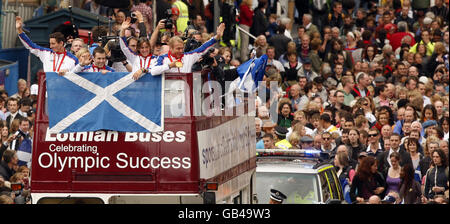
{"x":185,"y":60}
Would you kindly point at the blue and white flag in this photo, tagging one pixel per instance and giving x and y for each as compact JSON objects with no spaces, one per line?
{"x":114,"y":101}
{"x":251,"y":72}
{"x":24,"y":152}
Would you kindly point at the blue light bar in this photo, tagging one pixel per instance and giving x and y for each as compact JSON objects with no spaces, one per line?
{"x":306,"y":153}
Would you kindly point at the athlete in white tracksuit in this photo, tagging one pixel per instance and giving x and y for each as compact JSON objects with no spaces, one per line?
{"x":187,"y":59}
{"x":55,"y":58}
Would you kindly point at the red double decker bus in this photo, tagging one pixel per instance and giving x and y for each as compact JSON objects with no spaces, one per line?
{"x":197,"y":159}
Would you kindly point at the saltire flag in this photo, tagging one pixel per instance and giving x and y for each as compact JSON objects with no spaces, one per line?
{"x":113,"y":101}
{"x":250,"y":73}
{"x":24,"y":152}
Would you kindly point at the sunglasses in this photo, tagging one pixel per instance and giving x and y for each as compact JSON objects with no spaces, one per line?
{"x":372,"y":135}
{"x":326,"y":138}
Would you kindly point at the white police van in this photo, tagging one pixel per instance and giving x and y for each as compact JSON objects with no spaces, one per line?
{"x":299,"y":175}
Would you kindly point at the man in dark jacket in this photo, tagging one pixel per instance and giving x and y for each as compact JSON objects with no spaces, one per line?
{"x":7,"y":164}
{"x":383,"y":158}
{"x":279,"y":41}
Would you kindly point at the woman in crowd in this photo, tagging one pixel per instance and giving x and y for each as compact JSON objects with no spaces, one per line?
{"x":393,"y":173}
{"x":431,"y":144}
{"x":285,"y":116}
{"x":227,"y":55}
{"x":382,"y":120}
{"x":341,"y":163}
{"x":355,"y":143}
{"x":291,"y":68}
{"x":351,"y":42}
{"x":436,"y":182}
{"x":444,"y":123}
{"x":428,"y":113}
{"x":412,"y":146}
{"x":367,"y":181}
{"x":367,"y":106}
{"x":369,"y":53}
{"x":410,"y":189}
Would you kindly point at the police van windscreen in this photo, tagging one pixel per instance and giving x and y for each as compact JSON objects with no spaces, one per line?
{"x":298,"y":188}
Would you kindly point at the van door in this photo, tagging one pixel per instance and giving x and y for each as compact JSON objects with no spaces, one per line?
{"x":325,"y":187}
{"x":333,"y":183}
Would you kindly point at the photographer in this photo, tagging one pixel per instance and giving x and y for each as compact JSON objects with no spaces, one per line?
{"x":115,"y":56}
{"x":164,"y":24}
{"x":219,"y":72}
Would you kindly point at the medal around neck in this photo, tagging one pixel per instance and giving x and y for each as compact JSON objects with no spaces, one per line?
{"x":179,"y":64}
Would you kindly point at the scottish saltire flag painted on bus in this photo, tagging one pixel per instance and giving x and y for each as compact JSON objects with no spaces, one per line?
{"x":113,"y":101}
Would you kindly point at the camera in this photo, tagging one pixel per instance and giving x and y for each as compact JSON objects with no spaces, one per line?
{"x":19,"y":134}
{"x":191,"y":44}
{"x":168,"y":24}
{"x":133,"y":18}
{"x":116,"y":52}
{"x":168,"y":20}
{"x":114,"y":47}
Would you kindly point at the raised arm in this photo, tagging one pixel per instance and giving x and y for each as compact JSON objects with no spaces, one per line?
{"x":27,"y":43}
{"x":84,"y":64}
{"x":130,"y":54}
{"x":155,"y":34}
{"x":141,"y":24}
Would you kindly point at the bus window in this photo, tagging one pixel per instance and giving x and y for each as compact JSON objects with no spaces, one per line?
{"x":175,"y":103}
{"x":70,"y":200}
{"x":238,"y":198}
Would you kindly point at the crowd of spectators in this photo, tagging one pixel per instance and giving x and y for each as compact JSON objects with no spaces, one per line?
{"x":17,"y":115}
{"x":369,"y":82}
{"x":364,"y":80}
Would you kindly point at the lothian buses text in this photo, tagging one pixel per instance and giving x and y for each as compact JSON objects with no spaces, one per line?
{"x":113,"y":136}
